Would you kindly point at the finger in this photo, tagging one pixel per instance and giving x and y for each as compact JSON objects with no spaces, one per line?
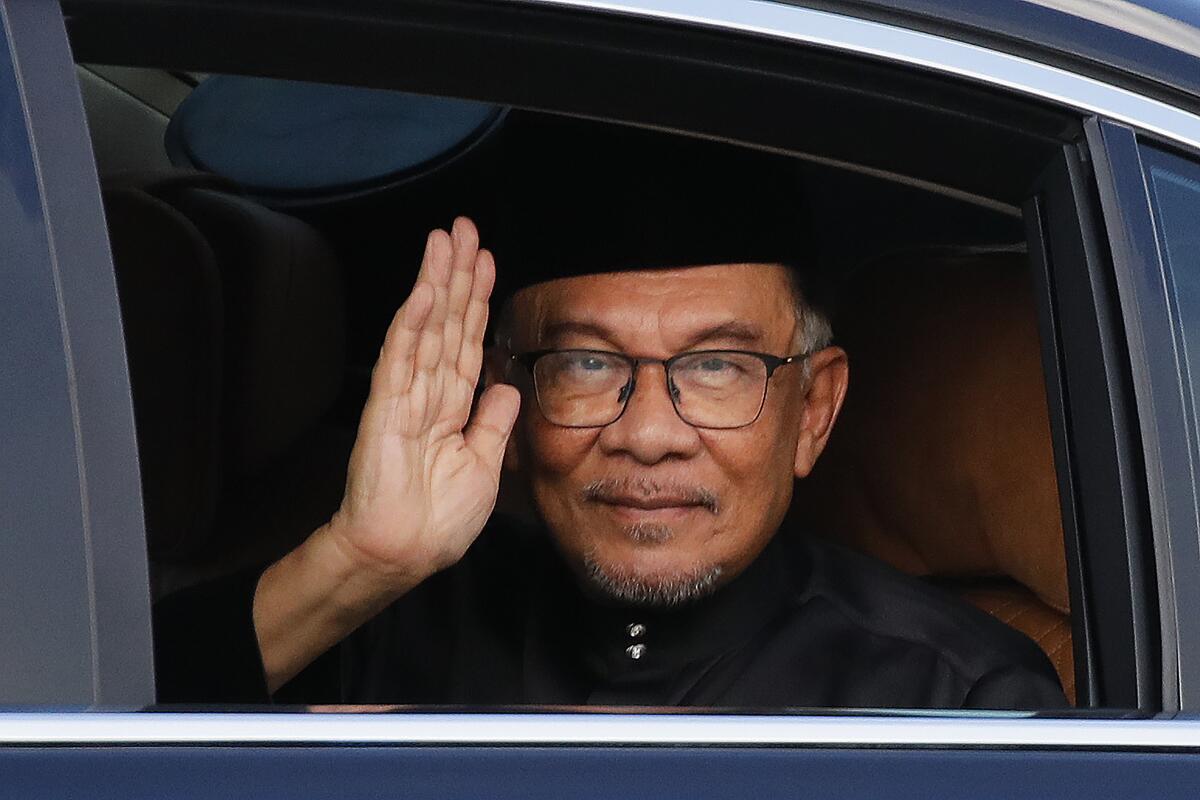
{"x":393,"y":369}
{"x":470,"y":357}
{"x":435,"y":271}
{"x":436,"y":238}
{"x":487,"y":433}
{"x":462,"y":274}
{"x":393,"y":372}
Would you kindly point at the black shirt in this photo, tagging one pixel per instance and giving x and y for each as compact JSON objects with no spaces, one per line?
{"x":806,"y":625}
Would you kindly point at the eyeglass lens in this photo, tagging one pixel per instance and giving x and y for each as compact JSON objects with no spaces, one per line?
{"x":710,"y":389}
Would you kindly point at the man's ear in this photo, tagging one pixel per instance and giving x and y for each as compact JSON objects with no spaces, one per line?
{"x":829,"y":375}
{"x":495,"y":370}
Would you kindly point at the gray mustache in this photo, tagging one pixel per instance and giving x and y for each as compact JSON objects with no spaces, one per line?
{"x":608,"y":489}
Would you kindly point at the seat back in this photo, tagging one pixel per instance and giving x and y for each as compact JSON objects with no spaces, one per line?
{"x":276,"y":348}
{"x":173,"y":318}
{"x":941,"y":463}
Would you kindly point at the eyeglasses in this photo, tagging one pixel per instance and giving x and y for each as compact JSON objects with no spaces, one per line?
{"x":709,"y":388}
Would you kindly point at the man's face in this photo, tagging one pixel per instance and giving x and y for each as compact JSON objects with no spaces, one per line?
{"x":650,"y":508}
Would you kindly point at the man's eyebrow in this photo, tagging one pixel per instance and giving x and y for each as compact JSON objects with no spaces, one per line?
{"x":735,"y":330}
{"x":555,"y":330}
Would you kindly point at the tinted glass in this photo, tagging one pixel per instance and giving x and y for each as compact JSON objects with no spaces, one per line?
{"x":1174,"y":185}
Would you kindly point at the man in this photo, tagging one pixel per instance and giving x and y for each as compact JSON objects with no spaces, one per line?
{"x":666,"y":384}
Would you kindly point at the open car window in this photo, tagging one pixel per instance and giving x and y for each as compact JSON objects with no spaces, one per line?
{"x":942,"y":464}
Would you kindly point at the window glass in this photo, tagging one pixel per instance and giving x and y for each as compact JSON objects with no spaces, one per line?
{"x":1175,"y":195}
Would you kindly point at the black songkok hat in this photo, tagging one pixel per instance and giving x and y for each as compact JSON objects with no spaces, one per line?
{"x":579,"y":198}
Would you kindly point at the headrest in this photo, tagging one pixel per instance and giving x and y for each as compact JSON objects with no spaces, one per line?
{"x":167,"y":184}
{"x":285,"y":323}
{"x":171,"y":308}
{"x":942,"y":462}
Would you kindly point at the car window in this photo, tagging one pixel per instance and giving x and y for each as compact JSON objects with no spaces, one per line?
{"x":1174,"y":184}
{"x":249,"y":374}
{"x":253,"y":322}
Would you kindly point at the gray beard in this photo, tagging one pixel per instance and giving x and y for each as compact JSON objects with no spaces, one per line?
{"x":655,"y":592}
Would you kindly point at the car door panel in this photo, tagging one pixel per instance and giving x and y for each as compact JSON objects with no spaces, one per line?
{"x":77,"y":633}
{"x":74,"y":625}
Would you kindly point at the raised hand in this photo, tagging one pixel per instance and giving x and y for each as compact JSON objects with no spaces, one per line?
{"x":423,"y":475}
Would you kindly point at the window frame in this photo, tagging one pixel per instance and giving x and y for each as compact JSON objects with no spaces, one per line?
{"x":598,"y":757}
{"x":1098,"y":451}
{"x":1172,"y":443}
{"x":660,"y":21}
{"x":75,"y":545}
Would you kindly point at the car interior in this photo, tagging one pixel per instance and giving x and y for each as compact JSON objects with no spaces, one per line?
{"x":258,"y":269}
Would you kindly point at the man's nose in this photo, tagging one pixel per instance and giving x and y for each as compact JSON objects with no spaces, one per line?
{"x":649,"y":430}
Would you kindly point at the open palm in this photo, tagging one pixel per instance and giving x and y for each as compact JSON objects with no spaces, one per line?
{"x":424,"y":474}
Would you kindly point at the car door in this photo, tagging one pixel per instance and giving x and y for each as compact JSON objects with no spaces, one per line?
{"x":76,"y":610}
{"x":75,"y":628}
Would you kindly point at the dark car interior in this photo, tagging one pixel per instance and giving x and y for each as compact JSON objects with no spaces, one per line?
{"x":253,"y":314}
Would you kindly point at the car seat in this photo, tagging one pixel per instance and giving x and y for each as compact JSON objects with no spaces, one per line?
{"x":941,"y":463}
{"x":273,"y":331}
{"x":173,"y":317}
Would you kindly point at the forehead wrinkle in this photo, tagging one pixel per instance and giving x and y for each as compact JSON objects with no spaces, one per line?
{"x":555,"y":310}
{"x":663,"y":304}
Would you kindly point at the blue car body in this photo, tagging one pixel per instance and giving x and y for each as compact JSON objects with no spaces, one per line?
{"x":74,"y":610}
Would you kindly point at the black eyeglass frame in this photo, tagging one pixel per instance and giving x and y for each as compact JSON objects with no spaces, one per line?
{"x":529,"y":360}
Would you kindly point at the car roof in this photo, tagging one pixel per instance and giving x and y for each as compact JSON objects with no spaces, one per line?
{"x":1152,"y":46}
{"x":1149,"y":46}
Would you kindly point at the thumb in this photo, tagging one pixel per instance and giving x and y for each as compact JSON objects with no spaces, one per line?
{"x":488,"y":431}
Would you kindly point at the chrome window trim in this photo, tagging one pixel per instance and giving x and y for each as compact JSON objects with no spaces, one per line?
{"x":963,"y":729}
{"x":918,"y":49}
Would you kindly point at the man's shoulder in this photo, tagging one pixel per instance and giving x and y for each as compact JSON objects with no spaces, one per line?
{"x":506,"y":543}
{"x":883,"y":601}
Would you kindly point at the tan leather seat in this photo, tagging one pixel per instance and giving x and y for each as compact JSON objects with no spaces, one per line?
{"x":941,"y":463}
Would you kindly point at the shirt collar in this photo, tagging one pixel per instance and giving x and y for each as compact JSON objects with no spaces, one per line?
{"x":628,"y":645}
